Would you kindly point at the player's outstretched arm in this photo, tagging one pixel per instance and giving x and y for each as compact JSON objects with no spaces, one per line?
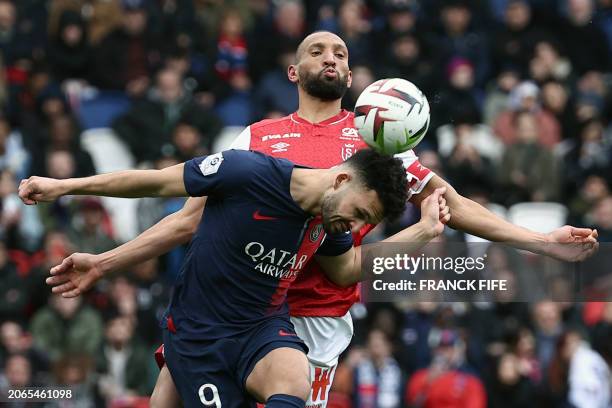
{"x":79,"y":272}
{"x":345,"y":269}
{"x":166,"y":182}
{"x":471,"y":217}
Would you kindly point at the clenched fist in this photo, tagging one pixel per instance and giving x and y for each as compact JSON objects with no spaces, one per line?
{"x":35,"y":189}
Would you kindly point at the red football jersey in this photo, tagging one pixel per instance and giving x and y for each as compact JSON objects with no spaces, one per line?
{"x":320,"y":145}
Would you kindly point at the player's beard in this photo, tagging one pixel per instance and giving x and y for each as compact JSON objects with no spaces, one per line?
{"x":329,"y":208}
{"x":322,"y":87}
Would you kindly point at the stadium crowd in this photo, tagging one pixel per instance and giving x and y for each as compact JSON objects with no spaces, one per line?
{"x":521,"y":98}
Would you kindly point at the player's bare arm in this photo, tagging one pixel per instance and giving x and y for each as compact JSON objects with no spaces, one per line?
{"x":473,"y":218}
{"x":345,"y":269}
{"x":166,"y":182}
{"x":80,"y":271}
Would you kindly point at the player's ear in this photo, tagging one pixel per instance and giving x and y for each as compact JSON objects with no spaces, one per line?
{"x":341,"y":178}
{"x":292,"y":73}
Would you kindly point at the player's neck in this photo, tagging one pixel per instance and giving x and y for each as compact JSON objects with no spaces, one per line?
{"x":315,"y":110}
{"x":308,"y":187}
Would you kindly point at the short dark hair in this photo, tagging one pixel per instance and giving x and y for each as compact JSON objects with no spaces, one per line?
{"x":385,"y":175}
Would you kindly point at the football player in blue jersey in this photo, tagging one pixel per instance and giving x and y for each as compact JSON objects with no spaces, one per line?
{"x":228,"y":339}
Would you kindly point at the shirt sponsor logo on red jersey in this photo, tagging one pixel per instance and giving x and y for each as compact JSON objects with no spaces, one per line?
{"x":349,"y":133}
{"x":280,"y":136}
{"x":280,"y":147}
{"x":352,"y":132}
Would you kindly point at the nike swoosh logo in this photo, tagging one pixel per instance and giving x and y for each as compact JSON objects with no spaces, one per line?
{"x":259,"y":217}
{"x":283,"y":333}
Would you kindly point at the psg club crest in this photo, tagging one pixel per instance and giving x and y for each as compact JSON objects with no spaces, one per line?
{"x":315,"y":233}
{"x":348,"y":150}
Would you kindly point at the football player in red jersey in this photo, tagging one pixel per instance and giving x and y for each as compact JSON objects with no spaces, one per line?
{"x":319,"y":134}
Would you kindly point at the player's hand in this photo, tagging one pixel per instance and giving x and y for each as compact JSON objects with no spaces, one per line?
{"x":434,"y":211}
{"x":572,"y":244}
{"x":35,"y":189}
{"x":75,"y":275}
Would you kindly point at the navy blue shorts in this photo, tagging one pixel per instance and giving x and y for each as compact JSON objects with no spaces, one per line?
{"x":209,"y":372}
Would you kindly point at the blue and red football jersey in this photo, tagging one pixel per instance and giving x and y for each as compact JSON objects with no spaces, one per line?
{"x":251,"y":243}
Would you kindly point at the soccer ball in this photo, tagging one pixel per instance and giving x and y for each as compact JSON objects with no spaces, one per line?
{"x":392,"y":115}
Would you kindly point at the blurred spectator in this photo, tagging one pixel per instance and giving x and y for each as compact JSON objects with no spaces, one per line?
{"x":232,"y":52}
{"x":152,"y":295}
{"x":592,"y":190}
{"x":17,"y":374}
{"x":529,"y":172}
{"x":468,"y":150}
{"x":601,"y":334}
{"x":555,"y":99}
{"x":13,"y":155}
{"x":523,"y":346}
{"x":70,"y":55}
{"x":152,"y":209}
{"x":591,"y":154}
{"x":75,"y":371}
{"x":445,"y":383}
{"x":276,"y":96}
{"x":14,"y":289}
{"x":478,"y":137}
{"x":458,"y":100}
{"x":400,"y":19}
{"x":362,"y":77}
{"x":354,"y":29}
{"x":123,"y":363}
{"x":101,"y":16}
{"x":91,"y":228}
{"x":148,"y":126}
{"x":232,"y":83}
{"x":414,"y":333}
{"x":547,"y":329}
{"x":378,"y":378}
{"x":602,"y":218}
{"x":498,"y":94}
{"x":510,"y":388}
{"x":514,"y":39}
{"x":174,"y":22}
{"x":14,"y":341}
{"x":548,"y":62}
{"x":188,"y":142}
{"x":461,"y":38}
{"x":288,"y":25}
{"x":591,"y":97}
{"x":585,"y":42}
{"x":406,"y":57}
{"x":126,"y":56}
{"x":579,"y":376}
{"x":123,"y":299}
{"x":525,"y":97}
{"x":67,"y":326}
{"x":15,"y":43}
{"x":63,"y":135}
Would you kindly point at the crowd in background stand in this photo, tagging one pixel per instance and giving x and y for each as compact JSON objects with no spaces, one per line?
{"x":521,"y":101}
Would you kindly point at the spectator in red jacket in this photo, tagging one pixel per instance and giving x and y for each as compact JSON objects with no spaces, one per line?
{"x":444,"y":383}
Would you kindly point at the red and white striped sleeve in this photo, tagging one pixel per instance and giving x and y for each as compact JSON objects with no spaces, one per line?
{"x":418,"y":175}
